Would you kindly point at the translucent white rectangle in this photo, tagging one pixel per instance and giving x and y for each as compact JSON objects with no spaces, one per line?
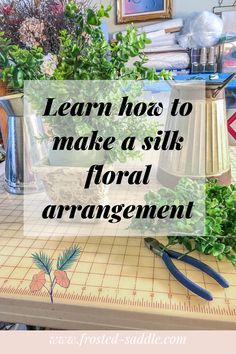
{"x":112,"y":191}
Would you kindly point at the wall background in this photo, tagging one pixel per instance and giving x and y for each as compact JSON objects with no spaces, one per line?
{"x":181,"y":8}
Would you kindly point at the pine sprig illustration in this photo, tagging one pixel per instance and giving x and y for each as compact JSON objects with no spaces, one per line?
{"x":43,"y":262}
{"x":59,"y":277}
{"x":68,"y":257}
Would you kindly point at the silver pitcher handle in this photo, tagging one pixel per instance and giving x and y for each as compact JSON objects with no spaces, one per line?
{"x":223,"y":85}
{"x":2,"y":151}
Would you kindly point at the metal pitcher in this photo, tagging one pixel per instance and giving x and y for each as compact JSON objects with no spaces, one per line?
{"x":19,"y":178}
{"x":206,"y":154}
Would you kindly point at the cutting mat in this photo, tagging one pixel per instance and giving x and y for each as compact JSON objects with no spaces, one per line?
{"x":112,"y":273}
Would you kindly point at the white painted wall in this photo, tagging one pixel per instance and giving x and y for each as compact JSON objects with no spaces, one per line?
{"x":181,"y":8}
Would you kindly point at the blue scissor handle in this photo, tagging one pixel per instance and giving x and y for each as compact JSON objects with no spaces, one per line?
{"x":200,"y":265}
{"x":196,"y":289}
{"x":158,"y":249}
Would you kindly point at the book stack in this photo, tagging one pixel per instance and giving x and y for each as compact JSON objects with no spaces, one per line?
{"x":164,"y":52}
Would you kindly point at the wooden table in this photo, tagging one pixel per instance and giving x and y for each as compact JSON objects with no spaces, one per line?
{"x":115,"y":284}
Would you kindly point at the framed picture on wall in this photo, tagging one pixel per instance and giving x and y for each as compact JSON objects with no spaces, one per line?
{"x":143,"y":10}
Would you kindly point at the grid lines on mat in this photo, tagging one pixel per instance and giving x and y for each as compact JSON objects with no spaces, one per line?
{"x":111,"y":271}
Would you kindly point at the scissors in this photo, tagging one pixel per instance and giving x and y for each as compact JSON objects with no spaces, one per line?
{"x":160,"y":250}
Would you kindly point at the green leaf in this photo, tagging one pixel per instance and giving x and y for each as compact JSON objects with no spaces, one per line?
{"x":119,"y":36}
{"x":20,"y":78}
{"x":109,"y":8}
{"x":218,"y":249}
{"x":187,"y":243}
{"x":92,"y":18}
{"x":3,"y":59}
{"x":43,"y":262}
{"x":68,"y":257}
{"x":101,"y":11}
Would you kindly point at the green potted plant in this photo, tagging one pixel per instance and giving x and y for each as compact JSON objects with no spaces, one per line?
{"x":85,"y":54}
